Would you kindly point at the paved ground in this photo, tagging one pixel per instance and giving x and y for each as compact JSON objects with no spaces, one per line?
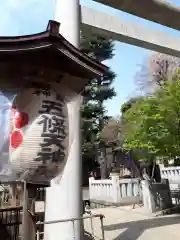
{"x":127,"y":224}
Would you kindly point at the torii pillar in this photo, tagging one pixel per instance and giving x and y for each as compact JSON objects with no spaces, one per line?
{"x":67,"y":199}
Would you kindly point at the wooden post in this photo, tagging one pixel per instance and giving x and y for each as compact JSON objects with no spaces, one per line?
{"x":28,"y":225}
{"x":24,"y":213}
{"x":13,"y":194}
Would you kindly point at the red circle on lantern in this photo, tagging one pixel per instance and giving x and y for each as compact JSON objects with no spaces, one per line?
{"x":16,"y":139}
{"x":21,"y":120}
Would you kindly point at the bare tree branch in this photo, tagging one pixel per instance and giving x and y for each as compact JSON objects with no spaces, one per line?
{"x":158,"y":69}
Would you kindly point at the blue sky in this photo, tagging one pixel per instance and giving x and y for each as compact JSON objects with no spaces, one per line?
{"x":31,"y":16}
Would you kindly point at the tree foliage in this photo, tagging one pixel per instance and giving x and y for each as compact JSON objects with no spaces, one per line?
{"x":93,"y":111}
{"x":97,"y":47}
{"x":129,"y":104}
{"x":153,"y":122}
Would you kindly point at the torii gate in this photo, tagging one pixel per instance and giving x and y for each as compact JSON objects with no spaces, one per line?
{"x":65,"y":200}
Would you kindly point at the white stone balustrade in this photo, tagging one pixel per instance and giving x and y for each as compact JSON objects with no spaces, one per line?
{"x":126,"y":191}
{"x":115,"y":190}
{"x":172,"y":174}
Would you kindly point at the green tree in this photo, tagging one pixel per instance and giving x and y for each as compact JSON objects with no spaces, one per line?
{"x":93,"y":111}
{"x":153,"y":123}
{"x":129,"y":104}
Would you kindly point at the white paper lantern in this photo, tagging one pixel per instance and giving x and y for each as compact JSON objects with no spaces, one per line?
{"x":38,"y":135}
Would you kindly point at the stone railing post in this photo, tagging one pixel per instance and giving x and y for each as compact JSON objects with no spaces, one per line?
{"x":91,"y":194}
{"x":148,"y":198}
{"x":116,"y":188}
